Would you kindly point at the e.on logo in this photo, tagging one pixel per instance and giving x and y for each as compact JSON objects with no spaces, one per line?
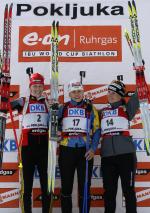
{"x":76,"y":43}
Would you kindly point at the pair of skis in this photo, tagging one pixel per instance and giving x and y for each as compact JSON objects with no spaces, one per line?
{"x":5,"y":76}
{"x":5,"y":90}
{"x":142,"y":87}
{"x":53,"y":123}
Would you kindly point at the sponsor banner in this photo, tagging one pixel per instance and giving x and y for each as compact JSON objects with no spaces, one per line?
{"x":57,"y":173}
{"x":9,"y":172}
{"x":46,"y":93}
{"x":14,"y":94}
{"x":142,"y":197}
{"x":9,"y":198}
{"x":10,"y":145}
{"x":76,"y":44}
{"x":56,"y":202}
{"x":37,"y":198}
{"x":9,"y":124}
{"x":139,"y":144}
{"x":98,"y":150}
{"x":143,"y":171}
{"x":96,"y":93}
{"x":136,"y":122}
{"x":97,"y":197}
{"x":71,"y":11}
{"x":97,"y":173}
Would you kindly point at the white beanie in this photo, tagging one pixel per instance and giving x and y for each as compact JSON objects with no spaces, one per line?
{"x":74,"y":85}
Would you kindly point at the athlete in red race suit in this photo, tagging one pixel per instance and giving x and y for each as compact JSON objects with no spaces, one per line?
{"x":34,"y":140}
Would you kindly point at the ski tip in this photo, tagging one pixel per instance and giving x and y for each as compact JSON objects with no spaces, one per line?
{"x":129,"y":4}
{"x":134,"y":8}
{"x":11,"y":6}
{"x":133,"y":3}
{"x":6,"y":11}
{"x":57,"y":24}
{"x":130,"y":8}
{"x":10,"y":10}
{"x":53,"y":23}
{"x":6,"y":6}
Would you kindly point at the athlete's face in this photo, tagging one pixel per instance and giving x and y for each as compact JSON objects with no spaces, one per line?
{"x":113,"y":97}
{"x":36,"y":90}
{"x":77,"y":95}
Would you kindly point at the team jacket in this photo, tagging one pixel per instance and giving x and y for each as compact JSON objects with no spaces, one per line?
{"x":115,"y":126}
{"x":34,"y":116}
{"x":73,"y":124}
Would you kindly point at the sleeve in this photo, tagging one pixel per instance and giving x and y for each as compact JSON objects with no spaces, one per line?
{"x":18,"y":104}
{"x":96,"y":132}
{"x":132,"y":106}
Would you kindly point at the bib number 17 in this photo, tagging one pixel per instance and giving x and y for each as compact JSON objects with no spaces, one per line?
{"x":76,"y":122}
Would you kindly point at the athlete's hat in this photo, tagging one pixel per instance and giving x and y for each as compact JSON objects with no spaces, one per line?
{"x":74,"y":85}
{"x":118,"y":87}
{"x":36,"y":78}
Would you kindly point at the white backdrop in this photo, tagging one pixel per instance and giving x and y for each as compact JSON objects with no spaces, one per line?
{"x":105,"y":21}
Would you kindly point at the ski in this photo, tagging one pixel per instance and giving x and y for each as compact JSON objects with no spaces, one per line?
{"x":139,"y":67}
{"x":53,"y":123}
{"x":5,"y":76}
{"x":5,"y":89}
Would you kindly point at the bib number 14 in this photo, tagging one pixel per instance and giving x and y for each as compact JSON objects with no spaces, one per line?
{"x":110,"y":122}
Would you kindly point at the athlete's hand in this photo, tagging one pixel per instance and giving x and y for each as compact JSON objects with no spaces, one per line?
{"x":89,"y":154}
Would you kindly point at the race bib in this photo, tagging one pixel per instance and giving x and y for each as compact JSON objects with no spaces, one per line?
{"x":75,"y":124}
{"x":114,"y":124}
{"x":35,"y":120}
